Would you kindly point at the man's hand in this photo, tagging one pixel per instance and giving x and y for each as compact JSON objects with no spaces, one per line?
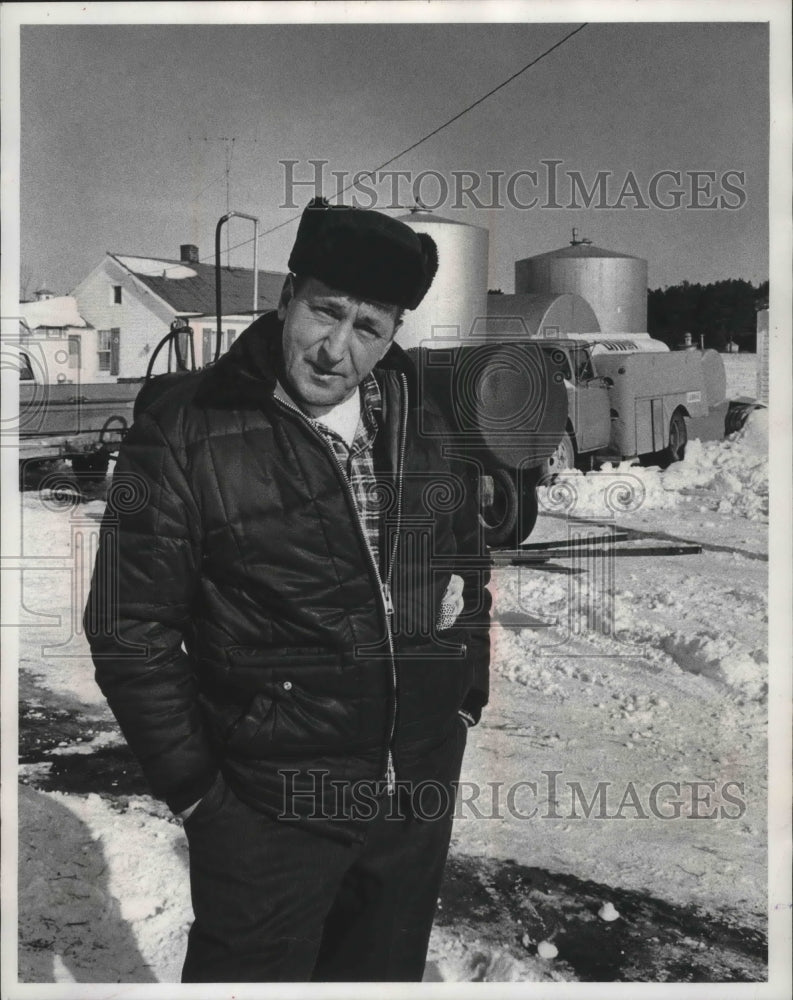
{"x":451,"y":604}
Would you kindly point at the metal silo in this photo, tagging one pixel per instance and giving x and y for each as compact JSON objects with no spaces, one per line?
{"x":614,"y":284}
{"x":458,"y":296}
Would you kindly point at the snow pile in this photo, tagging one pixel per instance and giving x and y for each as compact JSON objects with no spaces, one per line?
{"x":89,"y":911}
{"x":729,"y":476}
{"x":732,"y":475}
{"x":455,"y":958}
{"x":722,"y":658}
{"x":609,"y":492}
{"x":545,"y":619}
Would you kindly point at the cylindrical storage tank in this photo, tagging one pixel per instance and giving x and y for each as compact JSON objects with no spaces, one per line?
{"x":614,"y":284}
{"x":458,"y":296}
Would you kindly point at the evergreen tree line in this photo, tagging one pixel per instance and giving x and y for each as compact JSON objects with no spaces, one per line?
{"x":719,"y":312}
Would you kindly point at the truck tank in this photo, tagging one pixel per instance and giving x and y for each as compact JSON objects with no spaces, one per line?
{"x":614,"y":284}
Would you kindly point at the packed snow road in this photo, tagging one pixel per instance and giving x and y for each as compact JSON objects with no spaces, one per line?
{"x":619,"y":768}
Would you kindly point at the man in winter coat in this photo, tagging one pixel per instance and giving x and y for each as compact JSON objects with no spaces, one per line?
{"x":289,"y":620}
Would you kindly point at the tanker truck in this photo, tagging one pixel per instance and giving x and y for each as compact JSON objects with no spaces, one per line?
{"x":629,"y":396}
{"x":528,"y":409}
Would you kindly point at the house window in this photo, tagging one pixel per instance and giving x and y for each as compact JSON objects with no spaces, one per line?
{"x":207,"y":345}
{"x":74,"y":351}
{"x":104,"y":350}
{"x":116,"y":295}
{"x":231,"y":336}
{"x":109,"y":350}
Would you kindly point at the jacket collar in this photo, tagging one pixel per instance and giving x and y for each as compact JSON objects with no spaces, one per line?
{"x":245,"y":376}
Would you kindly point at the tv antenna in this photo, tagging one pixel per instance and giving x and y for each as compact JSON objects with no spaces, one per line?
{"x":228,"y":147}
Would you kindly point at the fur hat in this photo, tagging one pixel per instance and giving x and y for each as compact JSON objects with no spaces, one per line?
{"x":364,"y":253}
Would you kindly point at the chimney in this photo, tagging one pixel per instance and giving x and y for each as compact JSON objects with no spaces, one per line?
{"x":188,"y":253}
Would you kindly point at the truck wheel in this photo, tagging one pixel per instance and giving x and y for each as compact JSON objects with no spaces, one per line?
{"x":736,"y":416}
{"x":508,"y":513}
{"x":675,"y":451}
{"x":562,"y":459}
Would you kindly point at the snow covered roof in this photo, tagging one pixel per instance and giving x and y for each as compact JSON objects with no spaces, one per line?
{"x":59,"y":311}
{"x":189,"y":289}
{"x":154,"y":267}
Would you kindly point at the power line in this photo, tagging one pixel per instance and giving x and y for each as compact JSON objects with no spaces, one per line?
{"x":418,"y":142}
{"x":470,"y":107}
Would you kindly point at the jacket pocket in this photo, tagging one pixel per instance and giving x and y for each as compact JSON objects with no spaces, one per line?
{"x":299,"y":699}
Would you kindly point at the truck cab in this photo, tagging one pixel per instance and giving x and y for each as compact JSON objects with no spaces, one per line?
{"x":588,"y":404}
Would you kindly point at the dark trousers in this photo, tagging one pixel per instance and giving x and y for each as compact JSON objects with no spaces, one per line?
{"x":274,"y":902}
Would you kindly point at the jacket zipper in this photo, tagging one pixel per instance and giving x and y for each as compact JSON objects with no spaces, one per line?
{"x":390,"y":770}
{"x":383,"y":586}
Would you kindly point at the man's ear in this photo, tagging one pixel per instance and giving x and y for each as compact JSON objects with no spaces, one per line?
{"x":287,"y":294}
{"x":397,"y":326}
{"x":387,"y":345}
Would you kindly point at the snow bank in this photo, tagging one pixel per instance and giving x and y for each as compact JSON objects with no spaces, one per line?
{"x":89,"y":910}
{"x":733,"y":471}
{"x":454,"y":957}
{"x":729,"y":476}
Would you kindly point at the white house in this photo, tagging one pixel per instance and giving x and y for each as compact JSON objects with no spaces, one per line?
{"x":132,"y":301}
{"x":56,"y":344}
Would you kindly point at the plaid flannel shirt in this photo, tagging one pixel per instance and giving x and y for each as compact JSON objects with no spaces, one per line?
{"x":357,"y":460}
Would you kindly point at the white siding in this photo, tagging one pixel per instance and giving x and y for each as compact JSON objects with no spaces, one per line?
{"x":52,"y":361}
{"x":206,"y":326}
{"x":142,"y":317}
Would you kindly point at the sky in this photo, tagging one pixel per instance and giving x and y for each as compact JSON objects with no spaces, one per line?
{"x":130,"y":132}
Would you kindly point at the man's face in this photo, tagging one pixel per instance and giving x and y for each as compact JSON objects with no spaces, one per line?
{"x":331,"y":341}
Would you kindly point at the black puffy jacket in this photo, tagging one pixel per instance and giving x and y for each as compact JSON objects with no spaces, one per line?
{"x":236,"y":617}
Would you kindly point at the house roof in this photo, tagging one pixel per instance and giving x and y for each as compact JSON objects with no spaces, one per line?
{"x":189,"y":287}
{"x":59,"y":311}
